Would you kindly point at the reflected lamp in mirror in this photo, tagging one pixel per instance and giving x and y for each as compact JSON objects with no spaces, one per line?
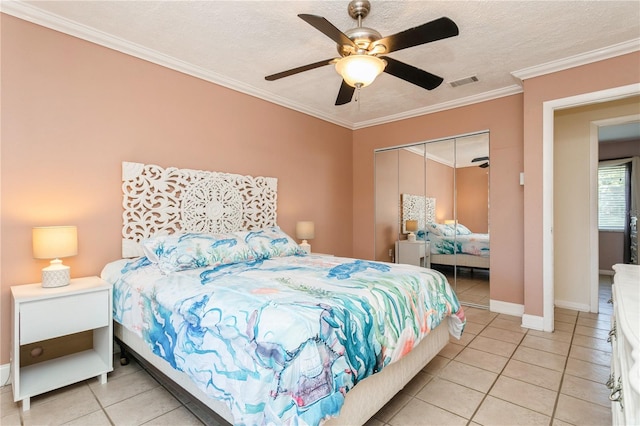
{"x":54,"y":242}
{"x":411,"y":226}
{"x":450,"y":222}
{"x":305,"y":231}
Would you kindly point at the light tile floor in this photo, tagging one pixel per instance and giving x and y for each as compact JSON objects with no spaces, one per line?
{"x":498,"y":374}
{"x":472,"y":285}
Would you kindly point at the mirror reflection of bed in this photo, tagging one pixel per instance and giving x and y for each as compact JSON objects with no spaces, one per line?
{"x":454,"y":249}
{"x":449,"y":180}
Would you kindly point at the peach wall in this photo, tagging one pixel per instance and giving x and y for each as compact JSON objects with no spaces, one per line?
{"x":472,"y":205}
{"x":619,"y":71}
{"x":611,"y":250}
{"x":72,"y":111}
{"x":503,"y":117}
{"x":386,"y":208}
{"x":613,"y":150}
{"x":441,"y":187}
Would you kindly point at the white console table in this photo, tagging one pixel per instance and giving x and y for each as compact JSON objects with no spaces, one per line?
{"x":624,"y":381}
{"x":413,"y":253}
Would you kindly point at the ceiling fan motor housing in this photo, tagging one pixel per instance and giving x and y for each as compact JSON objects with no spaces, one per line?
{"x":362,"y":37}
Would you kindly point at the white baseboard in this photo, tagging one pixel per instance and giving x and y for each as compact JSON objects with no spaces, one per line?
{"x":506,"y":308}
{"x":605,"y":272}
{"x":5,"y":374}
{"x":533,"y":322}
{"x":572,"y":305}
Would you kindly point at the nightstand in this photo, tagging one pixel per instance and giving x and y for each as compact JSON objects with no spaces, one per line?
{"x":413,"y":253}
{"x":40,"y":314}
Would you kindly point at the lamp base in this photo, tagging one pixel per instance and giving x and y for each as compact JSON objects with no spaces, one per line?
{"x":305,"y":246}
{"x":56,"y":275}
{"x":411,"y":237}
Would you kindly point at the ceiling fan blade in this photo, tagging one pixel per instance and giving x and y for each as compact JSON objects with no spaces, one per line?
{"x":484,"y":165}
{"x":345,"y":94}
{"x":298,"y":69}
{"x":412,"y":74}
{"x":480,"y":159}
{"x":425,"y":33}
{"x":327,"y":28}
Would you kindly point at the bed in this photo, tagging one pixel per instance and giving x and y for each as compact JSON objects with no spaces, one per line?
{"x":211,"y":292}
{"x":451,"y":245}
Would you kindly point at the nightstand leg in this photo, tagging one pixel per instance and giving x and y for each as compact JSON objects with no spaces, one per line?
{"x":26,"y":404}
{"x":102,"y":378}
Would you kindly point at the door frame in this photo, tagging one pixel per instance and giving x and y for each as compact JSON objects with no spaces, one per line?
{"x":548,"y":109}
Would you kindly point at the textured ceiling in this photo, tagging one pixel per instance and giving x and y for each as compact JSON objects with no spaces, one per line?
{"x":237,"y":43}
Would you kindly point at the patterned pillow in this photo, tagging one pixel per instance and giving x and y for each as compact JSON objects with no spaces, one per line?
{"x":178,"y":252}
{"x":462,"y":230}
{"x":440,"y":229}
{"x":270,"y":242}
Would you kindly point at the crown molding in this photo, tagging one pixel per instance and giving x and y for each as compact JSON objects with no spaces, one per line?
{"x":578,"y":60}
{"x":55,"y":22}
{"x":32,"y":14}
{"x":456,"y":103}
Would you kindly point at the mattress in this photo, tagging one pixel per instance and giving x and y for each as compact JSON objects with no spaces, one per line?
{"x":282,"y":340}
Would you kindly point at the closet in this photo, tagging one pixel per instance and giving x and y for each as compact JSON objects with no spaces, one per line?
{"x":432,"y":210}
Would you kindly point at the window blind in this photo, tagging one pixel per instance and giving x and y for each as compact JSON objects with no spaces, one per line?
{"x":612,"y":197}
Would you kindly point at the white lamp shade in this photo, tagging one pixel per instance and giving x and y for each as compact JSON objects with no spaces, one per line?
{"x":360,"y":70}
{"x":305,"y":230}
{"x":52,"y":242}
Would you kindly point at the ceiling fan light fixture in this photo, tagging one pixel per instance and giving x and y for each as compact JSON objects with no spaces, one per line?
{"x":360,"y":70}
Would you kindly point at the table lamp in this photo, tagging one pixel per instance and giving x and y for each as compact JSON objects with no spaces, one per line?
{"x":305,"y":231}
{"x":54,"y":242}
{"x":411,"y":226}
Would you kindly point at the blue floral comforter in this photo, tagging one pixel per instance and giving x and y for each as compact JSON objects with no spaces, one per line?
{"x":282,"y":340}
{"x":473,"y":244}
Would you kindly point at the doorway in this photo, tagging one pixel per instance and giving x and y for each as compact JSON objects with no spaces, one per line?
{"x":548,"y":254}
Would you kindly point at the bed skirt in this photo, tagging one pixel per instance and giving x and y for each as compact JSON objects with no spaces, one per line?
{"x":361,"y":403}
{"x":465,"y":260}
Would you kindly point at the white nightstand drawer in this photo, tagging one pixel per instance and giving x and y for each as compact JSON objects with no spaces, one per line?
{"x":49,"y":318}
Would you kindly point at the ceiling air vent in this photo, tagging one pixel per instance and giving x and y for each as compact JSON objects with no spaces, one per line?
{"x":462,"y":81}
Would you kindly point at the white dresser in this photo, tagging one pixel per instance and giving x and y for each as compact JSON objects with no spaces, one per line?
{"x":624,"y":381}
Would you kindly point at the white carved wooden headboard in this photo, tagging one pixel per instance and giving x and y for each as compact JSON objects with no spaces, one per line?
{"x":417,"y":207}
{"x":164,"y":201}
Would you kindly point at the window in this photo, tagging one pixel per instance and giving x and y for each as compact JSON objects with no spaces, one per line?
{"x":612,"y":197}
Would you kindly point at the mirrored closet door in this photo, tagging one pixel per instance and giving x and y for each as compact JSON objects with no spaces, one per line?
{"x":432,"y":210}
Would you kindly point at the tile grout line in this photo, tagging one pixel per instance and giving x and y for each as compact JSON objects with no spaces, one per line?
{"x":111,"y":422}
{"x":475,"y":412}
{"x":438,"y":376}
{"x":564,"y":371}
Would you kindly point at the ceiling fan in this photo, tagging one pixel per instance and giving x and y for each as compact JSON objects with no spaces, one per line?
{"x":361,"y":51}
{"x":483,"y":165}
